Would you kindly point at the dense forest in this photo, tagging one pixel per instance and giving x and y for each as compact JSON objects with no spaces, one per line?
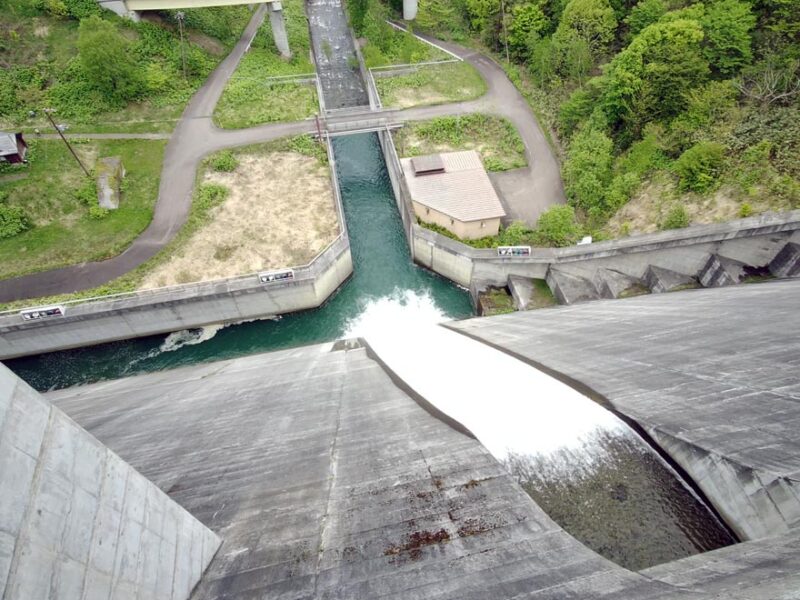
{"x":666,"y":112}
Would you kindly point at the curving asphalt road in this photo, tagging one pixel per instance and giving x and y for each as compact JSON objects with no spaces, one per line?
{"x":527,"y":191}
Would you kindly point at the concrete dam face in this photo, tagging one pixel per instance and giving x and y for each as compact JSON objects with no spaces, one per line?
{"x":346,"y":470}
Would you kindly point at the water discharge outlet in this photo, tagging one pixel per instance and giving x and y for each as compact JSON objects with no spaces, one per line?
{"x":584,"y":466}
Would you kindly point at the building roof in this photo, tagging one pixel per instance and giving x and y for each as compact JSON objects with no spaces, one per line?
{"x":462,"y":191}
{"x":8,"y":143}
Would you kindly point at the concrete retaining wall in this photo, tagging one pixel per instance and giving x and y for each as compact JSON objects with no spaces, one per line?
{"x":401,"y":193}
{"x":754,"y":502}
{"x":78,"y":522}
{"x":179,"y":307}
{"x":683,"y":250}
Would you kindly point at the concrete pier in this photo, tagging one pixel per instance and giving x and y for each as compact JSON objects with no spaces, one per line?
{"x":275,"y":10}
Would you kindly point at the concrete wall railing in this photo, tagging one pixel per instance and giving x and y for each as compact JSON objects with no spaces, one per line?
{"x":149,"y":312}
{"x":76,"y":521}
{"x":631,"y":255}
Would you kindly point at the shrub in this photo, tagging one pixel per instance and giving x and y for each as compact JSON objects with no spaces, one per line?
{"x":557,"y":227}
{"x":97,"y":213}
{"x":87,"y":193}
{"x":107,"y":61}
{"x":745,"y":210}
{"x":210,"y":195}
{"x":676,"y":218}
{"x":12,"y":221}
{"x":224,"y":161}
{"x":587,"y":172}
{"x":699,"y":167}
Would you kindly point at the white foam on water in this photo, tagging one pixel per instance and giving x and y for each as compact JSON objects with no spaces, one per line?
{"x":403,"y":309}
{"x":189,"y":337}
{"x":511,"y":407}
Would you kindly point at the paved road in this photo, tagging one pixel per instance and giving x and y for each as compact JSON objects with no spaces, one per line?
{"x":527,"y":191}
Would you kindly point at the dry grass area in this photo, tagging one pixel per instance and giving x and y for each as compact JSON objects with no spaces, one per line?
{"x":647,"y":209}
{"x":279,"y":213}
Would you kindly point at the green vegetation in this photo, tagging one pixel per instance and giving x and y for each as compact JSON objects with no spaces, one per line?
{"x":224,"y":161}
{"x":432,"y":84}
{"x":676,"y":218}
{"x":542,"y":295}
{"x":206,"y":197}
{"x":496,"y":301}
{"x":60,"y":205}
{"x":103,"y":73}
{"x":656,"y":102}
{"x":250,"y":99}
{"x":386,"y":45}
{"x":494,"y":138}
{"x":556,"y":227}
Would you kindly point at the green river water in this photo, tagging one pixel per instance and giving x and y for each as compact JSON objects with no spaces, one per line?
{"x":382,"y":270}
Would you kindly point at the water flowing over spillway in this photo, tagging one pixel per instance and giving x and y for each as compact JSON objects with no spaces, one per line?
{"x":585,"y":467}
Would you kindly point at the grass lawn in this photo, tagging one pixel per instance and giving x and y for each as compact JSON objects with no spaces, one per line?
{"x":63,"y":233}
{"x":205,"y":200}
{"x":495,"y":139}
{"x":432,"y":84}
{"x":249,"y":100}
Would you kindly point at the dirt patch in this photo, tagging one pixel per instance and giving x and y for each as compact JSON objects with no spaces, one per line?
{"x":279,"y":213}
{"x":41,"y":31}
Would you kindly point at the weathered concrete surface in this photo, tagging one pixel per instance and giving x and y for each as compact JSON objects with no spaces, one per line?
{"x":319,"y":474}
{"x":712,"y":375}
{"x":317,"y":471}
{"x":77,"y":522}
{"x":279,"y":29}
{"x":522,"y":291}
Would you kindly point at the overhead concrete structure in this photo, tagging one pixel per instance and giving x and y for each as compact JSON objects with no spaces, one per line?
{"x":77,"y":522}
{"x":327,"y":479}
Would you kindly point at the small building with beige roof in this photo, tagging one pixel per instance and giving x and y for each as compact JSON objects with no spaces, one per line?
{"x":453,"y":190}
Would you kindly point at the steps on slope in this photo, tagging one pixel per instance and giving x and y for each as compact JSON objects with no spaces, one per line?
{"x":569,"y":289}
{"x":611,"y":283}
{"x":661,"y":280}
{"x":720,"y":270}
{"x":787,"y":262}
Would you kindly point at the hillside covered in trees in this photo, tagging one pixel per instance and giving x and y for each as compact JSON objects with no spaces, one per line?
{"x":101,"y":72}
{"x":666,"y":112}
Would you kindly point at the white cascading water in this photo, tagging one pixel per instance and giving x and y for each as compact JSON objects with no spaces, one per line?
{"x":512,"y":408}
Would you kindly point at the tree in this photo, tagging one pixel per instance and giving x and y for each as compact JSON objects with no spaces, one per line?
{"x":526,"y":20}
{"x":727,"y":25}
{"x":644,"y":14}
{"x":557,"y":227}
{"x":773,"y":80}
{"x":481,"y":11}
{"x":106,"y":60}
{"x":592,"y":21}
{"x":649,"y":80}
{"x":587,"y":172}
{"x":699,"y":167}
{"x":357,"y":10}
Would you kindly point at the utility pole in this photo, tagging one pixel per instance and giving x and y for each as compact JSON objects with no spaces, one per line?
{"x":48,"y":112}
{"x":505,"y":33}
{"x":181,"y":16}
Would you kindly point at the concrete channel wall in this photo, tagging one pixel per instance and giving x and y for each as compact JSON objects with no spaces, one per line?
{"x":163,"y":310}
{"x":682,"y":250}
{"x":401,"y":194}
{"x":179,"y":307}
{"x":76,"y":521}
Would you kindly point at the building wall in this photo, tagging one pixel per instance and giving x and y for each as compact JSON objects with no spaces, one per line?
{"x":470,"y":230}
{"x":77,"y":522}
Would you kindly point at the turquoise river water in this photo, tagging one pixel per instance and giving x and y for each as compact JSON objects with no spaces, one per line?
{"x":383,"y":272}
